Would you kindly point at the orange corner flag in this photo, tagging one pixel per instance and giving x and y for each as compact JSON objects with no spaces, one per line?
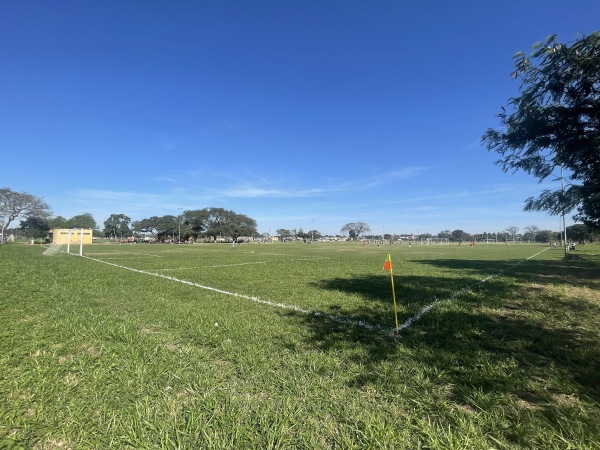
{"x":387,"y":265}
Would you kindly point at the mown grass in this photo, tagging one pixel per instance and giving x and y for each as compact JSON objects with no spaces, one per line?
{"x":94,"y":355}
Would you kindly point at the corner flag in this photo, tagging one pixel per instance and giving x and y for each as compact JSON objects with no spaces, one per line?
{"x":387,"y":265}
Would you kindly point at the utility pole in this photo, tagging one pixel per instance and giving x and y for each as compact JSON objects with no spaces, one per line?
{"x":179,"y":220}
{"x":562,"y":185}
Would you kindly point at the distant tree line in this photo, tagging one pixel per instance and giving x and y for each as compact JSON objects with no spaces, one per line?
{"x":207,"y":223}
{"x":298,"y":235}
{"x":212,"y":224}
{"x":577,"y":232}
{"x":37,"y":221}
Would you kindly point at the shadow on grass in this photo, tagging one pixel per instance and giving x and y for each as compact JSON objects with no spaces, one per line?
{"x":468,"y":342}
{"x":412,"y":294}
{"x":493,"y":337}
{"x":575,"y":267}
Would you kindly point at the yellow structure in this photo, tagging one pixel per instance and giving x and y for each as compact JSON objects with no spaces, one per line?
{"x":61,"y":236}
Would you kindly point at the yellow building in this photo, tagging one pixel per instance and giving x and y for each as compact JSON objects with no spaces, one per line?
{"x":61,"y":236}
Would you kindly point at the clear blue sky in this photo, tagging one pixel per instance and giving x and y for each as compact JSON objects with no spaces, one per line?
{"x":299,"y":114}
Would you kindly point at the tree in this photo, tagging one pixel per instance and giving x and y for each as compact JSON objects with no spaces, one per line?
{"x":355,"y":229}
{"x":194,"y":222}
{"x":85,"y":220}
{"x":217,"y":222}
{"x":313,"y":235}
{"x":545,"y":236}
{"x":240,"y":225}
{"x":166,"y":227}
{"x":35,"y":227}
{"x":19,"y":204}
{"x":554,"y":125}
{"x":57,"y":222}
{"x":503,"y":236}
{"x":284,"y":234}
{"x":162,"y":228}
{"x":531,"y":232}
{"x":512,"y":231}
{"x":146,"y":225}
{"x":459,"y":235}
{"x":444,"y":234}
{"x":579,"y":232}
{"x":117,"y":225}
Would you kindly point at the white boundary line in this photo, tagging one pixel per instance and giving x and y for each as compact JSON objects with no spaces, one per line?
{"x":336,"y":319}
{"x":126,"y":254}
{"x":458,"y":293}
{"x":216,"y":266}
{"x":341,"y":320}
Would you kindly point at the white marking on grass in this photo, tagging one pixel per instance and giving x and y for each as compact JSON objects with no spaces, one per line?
{"x":218,"y":266}
{"x":215,"y":266}
{"x":336,"y":319}
{"x":53,"y":249}
{"x":123,"y":254}
{"x":458,"y":293}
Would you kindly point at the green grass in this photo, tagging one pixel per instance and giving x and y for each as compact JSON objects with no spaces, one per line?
{"x":95,"y":355}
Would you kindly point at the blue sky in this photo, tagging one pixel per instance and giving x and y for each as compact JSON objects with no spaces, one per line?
{"x":299,"y":114}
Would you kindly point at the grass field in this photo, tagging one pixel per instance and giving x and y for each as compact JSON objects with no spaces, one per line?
{"x":293,"y":346}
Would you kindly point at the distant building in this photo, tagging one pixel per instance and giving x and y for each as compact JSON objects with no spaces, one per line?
{"x":61,"y":236}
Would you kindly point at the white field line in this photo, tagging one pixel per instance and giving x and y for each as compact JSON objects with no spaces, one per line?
{"x":214,"y":266}
{"x":341,"y":320}
{"x":336,"y":319}
{"x":218,"y":266}
{"x":124,"y":254}
{"x":458,"y":293}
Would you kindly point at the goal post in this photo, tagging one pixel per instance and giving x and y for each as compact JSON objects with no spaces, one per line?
{"x":489,"y":241}
{"x":435,"y":241}
{"x":70,"y":237}
{"x":75,"y":232}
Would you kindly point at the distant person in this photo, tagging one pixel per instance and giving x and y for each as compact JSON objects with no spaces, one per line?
{"x":233,"y":245}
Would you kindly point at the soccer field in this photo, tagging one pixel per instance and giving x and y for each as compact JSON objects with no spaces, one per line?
{"x":340,"y":281}
{"x":294,"y":346}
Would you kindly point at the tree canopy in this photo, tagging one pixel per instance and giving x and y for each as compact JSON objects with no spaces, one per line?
{"x":554,"y":125}
{"x":208,"y":222}
{"x":222,"y":222}
{"x":19,"y":204}
{"x":194,"y":222}
{"x":284,"y":234}
{"x":117,"y":225}
{"x":355,"y":229}
{"x":163,"y":228}
{"x":35,"y":227}
{"x":580,"y":233}
{"x":85,"y":220}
